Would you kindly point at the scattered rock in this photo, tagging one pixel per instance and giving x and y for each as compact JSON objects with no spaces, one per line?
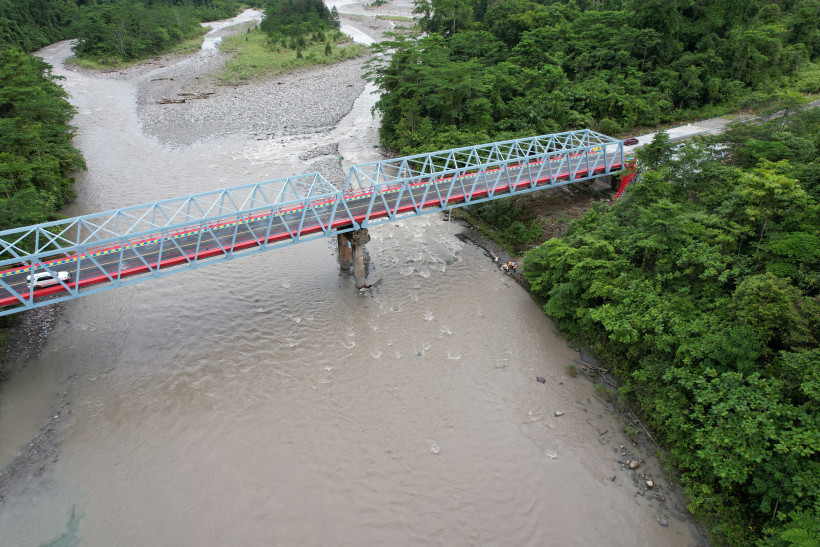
{"x":634,"y":464}
{"x":540,"y":379}
{"x":31,"y":462}
{"x":559,"y":412}
{"x":650,"y":484}
{"x":663,"y":522}
{"x":659,"y":497}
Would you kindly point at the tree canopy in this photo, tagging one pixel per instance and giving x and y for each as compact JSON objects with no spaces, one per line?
{"x":36,"y":154}
{"x":108,"y":29}
{"x":32,"y":24}
{"x":700,"y":288}
{"x":524,"y":67}
{"x":298,"y":17}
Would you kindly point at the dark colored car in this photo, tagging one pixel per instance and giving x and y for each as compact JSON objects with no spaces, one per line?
{"x":630,"y":141}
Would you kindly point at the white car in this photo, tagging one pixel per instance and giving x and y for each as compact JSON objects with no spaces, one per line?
{"x":45,"y":279}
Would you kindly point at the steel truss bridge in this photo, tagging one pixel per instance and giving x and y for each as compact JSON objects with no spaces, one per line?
{"x":107,"y":250}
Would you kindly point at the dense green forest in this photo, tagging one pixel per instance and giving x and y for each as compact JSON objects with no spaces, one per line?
{"x":290,"y":18}
{"x":700,"y":289}
{"x":299,"y":24}
{"x":32,"y":24}
{"x":113,"y":30}
{"x":482,"y":70}
{"x":36,"y":153}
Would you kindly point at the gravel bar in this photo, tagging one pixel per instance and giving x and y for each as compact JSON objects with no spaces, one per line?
{"x":309,"y":100}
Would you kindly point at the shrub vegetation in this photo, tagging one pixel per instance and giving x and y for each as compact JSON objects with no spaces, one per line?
{"x":256,"y":55}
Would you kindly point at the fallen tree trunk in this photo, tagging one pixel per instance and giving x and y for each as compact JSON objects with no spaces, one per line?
{"x":166,"y":100}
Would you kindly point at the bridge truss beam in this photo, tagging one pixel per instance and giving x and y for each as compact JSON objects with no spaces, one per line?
{"x":107,"y":250}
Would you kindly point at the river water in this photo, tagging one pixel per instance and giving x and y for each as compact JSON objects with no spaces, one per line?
{"x":265,"y":401}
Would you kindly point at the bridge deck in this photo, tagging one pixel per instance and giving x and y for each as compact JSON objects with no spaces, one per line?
{"x":126,"y":246}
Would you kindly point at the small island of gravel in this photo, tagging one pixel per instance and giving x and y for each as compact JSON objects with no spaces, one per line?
{"x":305,"y":101}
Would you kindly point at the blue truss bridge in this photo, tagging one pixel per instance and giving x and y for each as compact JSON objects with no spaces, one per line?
{"x":75,"y":257}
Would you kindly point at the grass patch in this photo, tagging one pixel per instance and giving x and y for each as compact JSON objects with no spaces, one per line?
{"x":255,"y":56}
{"x":189,"y":46}
{"x":99,"y":63}
{"x":400,"y":18}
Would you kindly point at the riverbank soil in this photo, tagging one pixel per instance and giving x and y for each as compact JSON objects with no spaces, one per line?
{"x":26,"y":336}
{"x":552,"y":210}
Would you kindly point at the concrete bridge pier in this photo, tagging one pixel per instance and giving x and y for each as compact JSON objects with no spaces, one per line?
{"x":357,"y":241}
{"x":354,"y":252}
{"x":345,"y":254}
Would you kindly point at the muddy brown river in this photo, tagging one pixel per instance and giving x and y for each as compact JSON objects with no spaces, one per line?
{"x":265,"y":401}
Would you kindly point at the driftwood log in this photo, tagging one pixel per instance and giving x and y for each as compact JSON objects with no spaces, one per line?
{"x":184,"y":96}
{"x":201,"y":95}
